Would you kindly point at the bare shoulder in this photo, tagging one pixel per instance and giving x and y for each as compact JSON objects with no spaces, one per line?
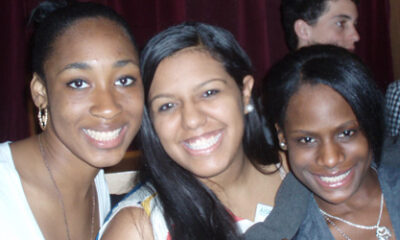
{"x":27,"y":158}
{"x":129,"y":223}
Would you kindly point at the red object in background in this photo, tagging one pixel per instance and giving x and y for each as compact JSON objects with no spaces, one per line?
{"x":255,"y":23}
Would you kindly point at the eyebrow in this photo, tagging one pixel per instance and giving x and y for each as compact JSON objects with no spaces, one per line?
{"x":343,"y":16}
{"x":85,"y":66}
{"x":212,"y":80}
{"x":122,"y":63}
{"x":343,"y":125}
{"x":160,"y":96}
{"x":77,"y":65}
{"x":200,"y":85}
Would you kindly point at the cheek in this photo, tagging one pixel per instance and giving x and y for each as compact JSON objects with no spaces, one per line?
{"x":133,"y":102}
{"x":165,"y":127}
{"x":66,"y":101}
{"x":232,"y":116}
{"x":300,"y":158}
{"x":302,"y":163}
{"x":167,"y":130}
{"x":358,"y":150}
{"x":338,"y":36}
{"x":64,"y":109}
{"x":329,"y":35}
{"x":230,"y":109}
{"x":229,"y":115}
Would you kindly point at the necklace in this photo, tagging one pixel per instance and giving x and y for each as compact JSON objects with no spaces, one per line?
{"x":382,"y":232}
{"x":60,"y":197}
{"x":337,"y":228}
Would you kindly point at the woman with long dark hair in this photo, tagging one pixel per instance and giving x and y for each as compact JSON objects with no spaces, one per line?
{"x":208,"y":172}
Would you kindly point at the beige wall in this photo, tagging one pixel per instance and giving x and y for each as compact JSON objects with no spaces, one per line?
{"x":395,"y":36}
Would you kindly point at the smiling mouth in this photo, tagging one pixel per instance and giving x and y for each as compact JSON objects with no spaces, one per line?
{"x":103,"y":136}
{"x":203,"y":143}
{"x":335,"y":179}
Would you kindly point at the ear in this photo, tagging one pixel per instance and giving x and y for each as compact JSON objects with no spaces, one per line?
{"x":303,"y":31}
{"x":281,"y":137}
{"x":38,"y":91}
{"x":248,"y":83}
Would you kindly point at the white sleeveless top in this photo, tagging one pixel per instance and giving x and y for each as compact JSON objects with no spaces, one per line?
{"x":17,"y":221}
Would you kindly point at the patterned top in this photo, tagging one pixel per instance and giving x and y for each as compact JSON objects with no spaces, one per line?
{"x":393,"y":108}
{"x":143,"y":196}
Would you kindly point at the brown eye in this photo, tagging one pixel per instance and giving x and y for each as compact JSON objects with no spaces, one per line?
{"x":307,"y":140}
{"x":125,"y":81}
{"x":78,"y":84}
{"x":347,"y":133}
{"x":341,"y":24}
{"x":211,"y":92}
{"x":166,"y":107}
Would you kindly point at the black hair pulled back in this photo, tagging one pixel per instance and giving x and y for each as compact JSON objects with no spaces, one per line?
{"x":52,"y":18}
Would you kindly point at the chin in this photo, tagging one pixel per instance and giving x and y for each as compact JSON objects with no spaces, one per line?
{"x":336,"y":197}
{"x":104,"y":161}
{"x":206,"y":174}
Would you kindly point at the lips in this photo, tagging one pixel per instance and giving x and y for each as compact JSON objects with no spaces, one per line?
{"x":337,"y":180}
{"x":103,"y":136}
{"x":203,"y":144}
{"x":105,"y":139}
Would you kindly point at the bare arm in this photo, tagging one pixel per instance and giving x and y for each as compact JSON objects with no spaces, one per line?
{"x":129,"y":223}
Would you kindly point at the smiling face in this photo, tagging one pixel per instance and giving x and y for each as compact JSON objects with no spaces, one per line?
{"x":328,"y":151}
{"x":197,"y":111}
{"x":94,"y":91}
{"x":337,"y":26}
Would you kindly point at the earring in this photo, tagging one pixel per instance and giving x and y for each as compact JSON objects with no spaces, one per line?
{"x":43,"y":118}
{"x":249,"y":108}
{"x":282,"y":145}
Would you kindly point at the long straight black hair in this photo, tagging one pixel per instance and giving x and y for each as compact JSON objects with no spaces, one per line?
{"x":191,"y":209}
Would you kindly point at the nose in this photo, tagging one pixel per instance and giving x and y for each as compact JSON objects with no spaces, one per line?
{"x":330,"y":155}
{"x":105,"y":104}
{"x":192,"y":116}
{"x":355,"y":37}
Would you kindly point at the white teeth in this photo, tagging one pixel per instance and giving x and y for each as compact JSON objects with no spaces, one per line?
{"x":103,"y":136}
{"x":336,"y":178}
{"x":203,"y":143}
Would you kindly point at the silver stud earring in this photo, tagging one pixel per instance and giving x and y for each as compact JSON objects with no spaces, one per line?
{"x":282,"y":145}
{"x":249,"y":108}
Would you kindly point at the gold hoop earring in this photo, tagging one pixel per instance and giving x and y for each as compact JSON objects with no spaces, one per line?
{"x":43,"y":117}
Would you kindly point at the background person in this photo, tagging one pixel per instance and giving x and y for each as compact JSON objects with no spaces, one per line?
{"x":393,"y":108}
{"x":308,"y":22}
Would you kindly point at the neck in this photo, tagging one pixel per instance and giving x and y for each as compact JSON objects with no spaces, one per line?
{"x":71,"y":173}
{"x":228,"y":184}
